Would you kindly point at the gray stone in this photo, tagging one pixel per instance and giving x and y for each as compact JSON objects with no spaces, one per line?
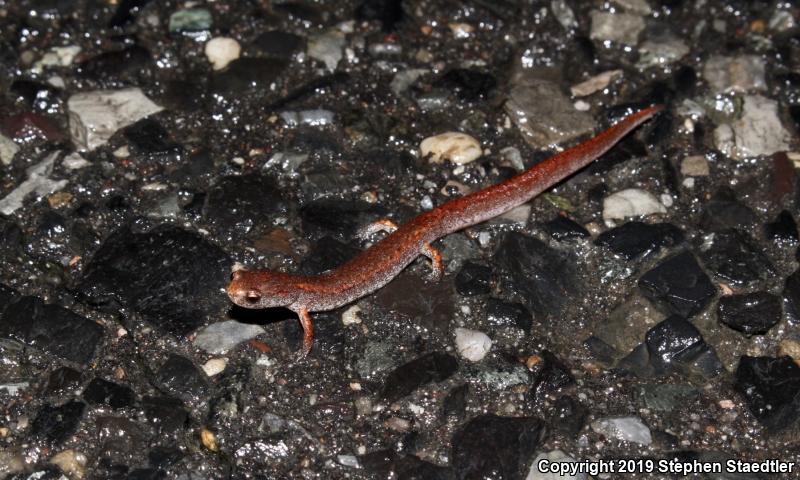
{"x":735,"y":74}
{"x":758,"y":131}
{"x":626,"y":429}
{"x":38,"y":182}
{"x":220,"y":337}
{"x":616,"y":27}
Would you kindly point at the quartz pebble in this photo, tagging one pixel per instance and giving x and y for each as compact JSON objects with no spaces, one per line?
{"x":631,"y":202}
{"x":221,"y":51}
{"x":215,"y":366}
{"x":735,"y":74}
{"x":38,"y":182}
{"x":472,"y":344}
{"x":758,"y":131}
{"x":627,"y":429}
{"x":616,"y":27}
{"x":695,"y":166}
{"x":595,"y":84}
{"x":7,"y":150}
{"x":555,"y":456}
{"x":96,"y":115}
{"x":457,"y":147}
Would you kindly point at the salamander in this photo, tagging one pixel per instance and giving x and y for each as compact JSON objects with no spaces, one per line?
{"x":376,"y":266}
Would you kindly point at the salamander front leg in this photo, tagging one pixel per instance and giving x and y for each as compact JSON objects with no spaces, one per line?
{"x":382,"y":225}
{"x":308,"y":330}
{"x":435,"y":256}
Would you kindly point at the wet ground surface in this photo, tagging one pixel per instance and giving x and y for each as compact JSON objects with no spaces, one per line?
{"x":645,"y":309}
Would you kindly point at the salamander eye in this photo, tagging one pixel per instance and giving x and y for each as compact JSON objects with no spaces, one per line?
{"x":252,"y":296}
{"x":236,"y":275}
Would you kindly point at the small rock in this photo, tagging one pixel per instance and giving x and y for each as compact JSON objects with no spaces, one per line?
{"x":631,"y":202}
{"x":71,"y":462}
{"x":636,"y":239}
{"x":554,"y":456}
{"x":660,"y":50}
{"x":783,"y":230}
{"x":680,"y":283}
{"x":245,"y":75}
{"x":56,"y":57}
{"x":626,"y":429}
{"x":457,"y":147}
{"x":7,"y":149}
{"x":38,"y":182}
{"x":771,"y":388}
{"x":237,"y":203}
{"x":472,"y":344}
{"x":474,"y":279}
{"x":327,"y":48}
{"x":695,"y":166}
{"x":181,"y":378}
{"x":506,"y":314}
{"x":489,"y":446}
{"x":221,"y":51}
{"x":758,"y":131}
{"x":468,"y":84}
{"x":315,"y":118}
{"x":667,"y":397}
{"x":279,"y":44}
{"x":750,"y":313}
{"x":790,"y":347}
{"x":733,"y":257}
{"x":57,"y":424}
{"x":544,"y":114}
{"x":74,"y":161}
{"x":676,"y":343}
{"x":724,"y":211}
{"x":549,"y":375}
{"x":215,"y":366}
{"x":564,"y":14}
{"x":595,"y":84}
{"x":95,"y":116}
{"x":103,"y":392}
{"x":190,"y":21}
{"x":433,"y":367}
{"x":791,"y":294}
{"x":351,"y":315}
{"x":219,"y":338}
{"x":563,"y":228}
{"x":455,"y":403}
{"x":735,"y":74}
{"x":167,"y":414}
{"x":616,"y":27}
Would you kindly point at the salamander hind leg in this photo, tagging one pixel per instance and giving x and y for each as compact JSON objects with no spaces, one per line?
{"x":437,"y":266}
{"x":308,"y":330}
{"x":382,"y":225}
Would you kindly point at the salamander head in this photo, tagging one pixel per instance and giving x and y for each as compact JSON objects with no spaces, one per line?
{"x":262,"y":289}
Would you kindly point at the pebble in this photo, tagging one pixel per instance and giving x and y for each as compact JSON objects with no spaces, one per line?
{"x":70,"y":462}
{"x":215,"y":366}
{"x":564,"y":14}
{"x":219,"y":338}
{"x":95,"y":116}
{"x":190,"y":21}
{"x":221,"y":51}
{"x":631,"y":202}
{"x":351,"y":315}
{"x":735,"y":258}
{"x":472,"y":344}
{"x":56,"y":57}
{"x":327,"y":48}
{"x":750,"y":313}
{"x":634,"y":6}
{"x":316,"y":118}
{"x":790,"y":347}
{"x":680,"y":283}
{"x":616,"y":27}
{"x":38,"y":182}
{"x":554,"y":456}
{"x":695,"y":166}
{"x":626,"y":429}
{"x":74,"y":161}
{"x":7,"y":150}
{"x":432,"y":367}
{"x":783,"y":230}
{"x":636,"y":239}
{"x":595,"y":84}
{"x":456,"y":147}
{"x":771,"y":389}
{"x":735,"y":74}
{"x":758,"y":131}
{"x":661,"y":50}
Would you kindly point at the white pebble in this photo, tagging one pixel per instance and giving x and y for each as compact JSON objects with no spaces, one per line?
{"x":457,"y":147}
{"x":694,"y":166}
{"x":631,"y":202}
{"x":472,"y":344}
{"x":221,"y":51}
{"x":215,"y":366}
{"x":350,"y":316}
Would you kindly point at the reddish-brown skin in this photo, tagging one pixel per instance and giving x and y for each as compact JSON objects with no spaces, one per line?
{"x":379,"y":264}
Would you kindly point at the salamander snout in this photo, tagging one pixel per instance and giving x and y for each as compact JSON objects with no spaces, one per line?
{"x":260,"y":289}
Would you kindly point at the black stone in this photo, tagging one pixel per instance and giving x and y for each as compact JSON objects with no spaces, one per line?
{"x":550,"y":375}
{"x":750,"y":313}
{"x":278,"y":44}
{"x":303,"y":93}
{"x":723,"y":211}
{"x":734,"y":258}
{"x":181,"y":378}
{"x":247,"y":76}
{"x":771,"y":388}
{"x":37,"y":96}
{"x":326,"y":254}
{"x":103,"y":392}
{"x":52,"y":329}
{"x":601,"y":351}
{"x":171,"y":276}
{"x":568,"y":416}
{"x":679,"y":283}
{"x":540,"y":277}
{"x":468,"y":84}
{"x":431,"y":367}
{"x":474,"y":279}
{"x":150,"y":141}
{"x":791,"y":294}
{"x":391,"y":464}
{"x":685,"y":80}
{"x":238,"y":203}
{"x":636,"y":239}
{"x":166,"y":413}
{"x":128,"y":64}
{"x":455,"y":403}
{"x":57,"y":424}
{"x":508,"y":314}
{"x":164,"y":456}
{"x":495,"y":447}
{"x":183,"y":95}
{"x":62,"y":380}
{"x":10,"y":236}
{"x":340,"y":218}
{"x":388,"y":12}
{"x":126,"y":12}
{"x":783,"y":229}
{"x":676,"y":343}
{"x":564,"y":228}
